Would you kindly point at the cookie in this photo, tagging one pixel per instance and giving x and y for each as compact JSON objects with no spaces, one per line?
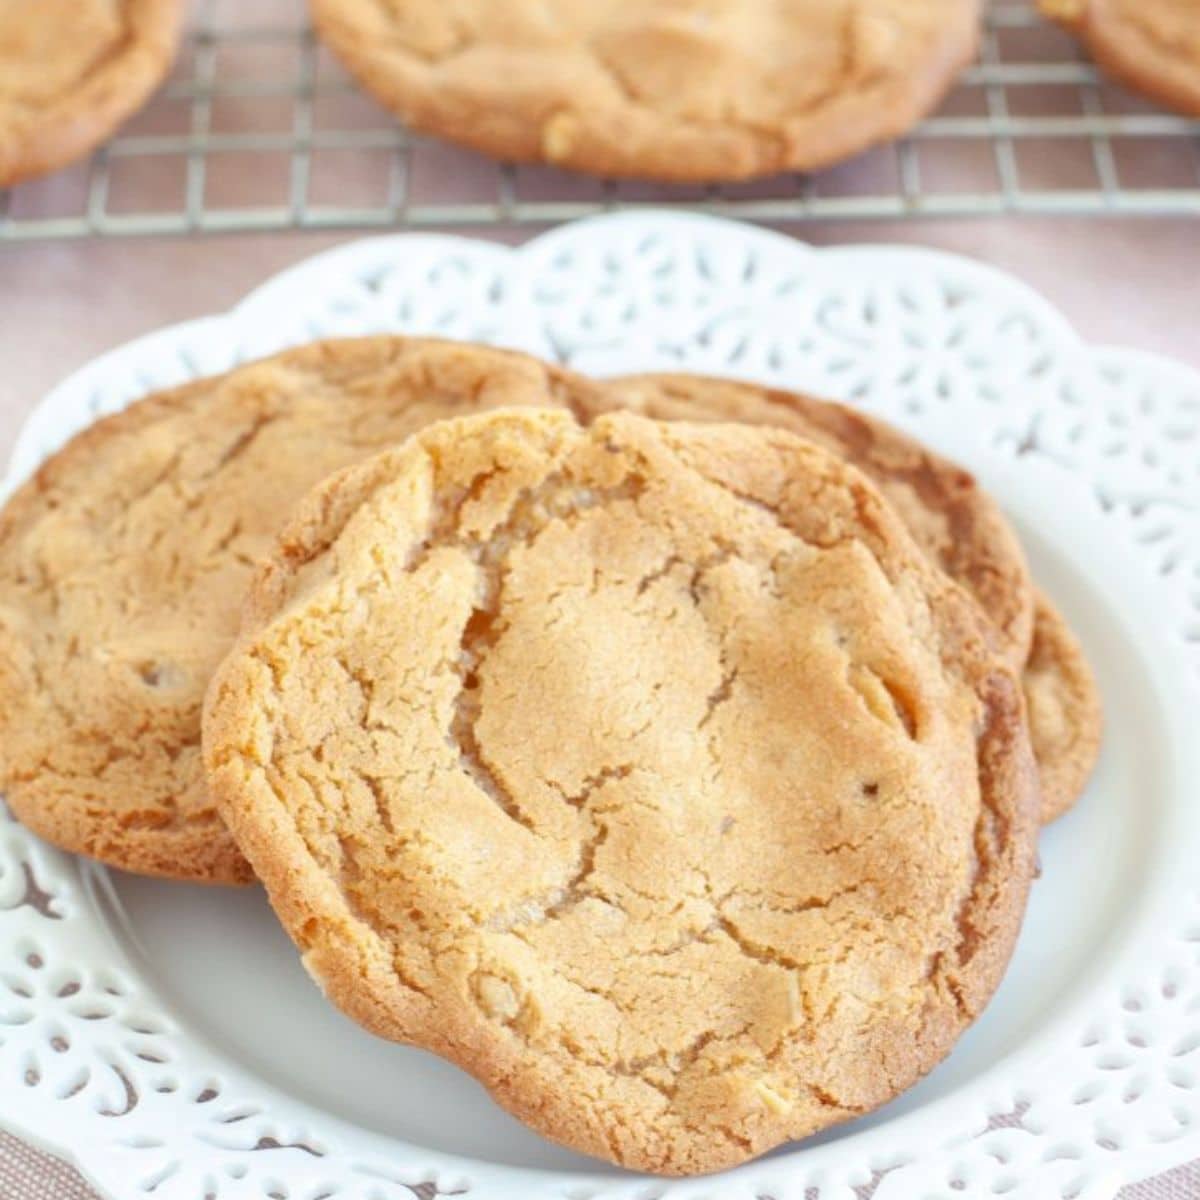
{"x":71,"y":71}
{"x":951,"y":517}
{"x":124,"y":561}
{"x":1066,"y":719}
{"x":648,"y":771}
{"x":674,"y":90}
{"x":953,"y":520}
{"x":1151,"y":45}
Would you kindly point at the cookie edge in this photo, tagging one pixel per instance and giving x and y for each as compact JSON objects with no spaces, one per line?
{"x":1128,"y":56}
{"x":1065,"y":777}
{"x":82,"y":119}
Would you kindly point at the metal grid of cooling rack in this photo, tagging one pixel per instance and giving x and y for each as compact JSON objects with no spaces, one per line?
{"x":258,"y":129}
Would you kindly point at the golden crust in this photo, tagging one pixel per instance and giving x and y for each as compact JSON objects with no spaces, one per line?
{"x":1066,"y":718}
{"x":647,"y":771}
{"x":671,"y":90}
{"x":124,"y":560}
{"x":41,"y":132}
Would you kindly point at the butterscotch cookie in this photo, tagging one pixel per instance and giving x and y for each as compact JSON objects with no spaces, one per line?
{"x":663,"y":89}
{"x":124,"y":561}
{"x":72,"y":70}
{"x":1066,"y":719}
{"x":953,"y":520}
{"x":951,"y":517}
{"x":1151,"y":45}
{"x":648,"y":771}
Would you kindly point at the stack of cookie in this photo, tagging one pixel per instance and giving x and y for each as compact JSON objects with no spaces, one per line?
{"x":661,"y":751}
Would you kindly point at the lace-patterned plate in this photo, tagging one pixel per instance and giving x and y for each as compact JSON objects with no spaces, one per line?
{"x":165,"y":1038}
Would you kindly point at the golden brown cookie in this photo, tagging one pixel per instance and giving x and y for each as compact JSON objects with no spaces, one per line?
{"x":1066,"y":719}
{"x":72,"y":70}
{"x":952,"y":519}
{"x":658,"y":89}
{"x":1151,"y":45}
{"x":649,"y":771}
{"x":124,"y":561}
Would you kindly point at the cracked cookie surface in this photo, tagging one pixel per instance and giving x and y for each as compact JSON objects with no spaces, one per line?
{"x":124,"y":562}
{"x":646,"y":770}
{"x":953,"y":520}
{"x":1151,"y":45}
{"x":72,"y":70}
{"x":663,"y":89}
{"x":950,"y":516}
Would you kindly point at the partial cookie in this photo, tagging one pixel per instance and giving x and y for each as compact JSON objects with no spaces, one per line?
{"x":124,"y":561}
{"x":663,"y":89}
{"x":72,"y":70}
{"x":1066,"y":719}
{"x":1151,"y":45}
{"x":650,"y":772}
{"x":952,"y":519}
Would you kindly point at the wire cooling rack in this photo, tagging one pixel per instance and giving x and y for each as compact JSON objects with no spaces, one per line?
{"x":259,"y":129}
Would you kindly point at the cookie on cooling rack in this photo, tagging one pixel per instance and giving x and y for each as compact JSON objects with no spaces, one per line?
{"x":1151,"y":45}
{"x":664,"y":89}
{"x":72,"y":70}
{"x":124,"y":561}
{"x":648,"y":771}
{"x":953,"y":520}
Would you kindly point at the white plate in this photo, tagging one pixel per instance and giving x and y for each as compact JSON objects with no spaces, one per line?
{"x":165,"y":1038}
